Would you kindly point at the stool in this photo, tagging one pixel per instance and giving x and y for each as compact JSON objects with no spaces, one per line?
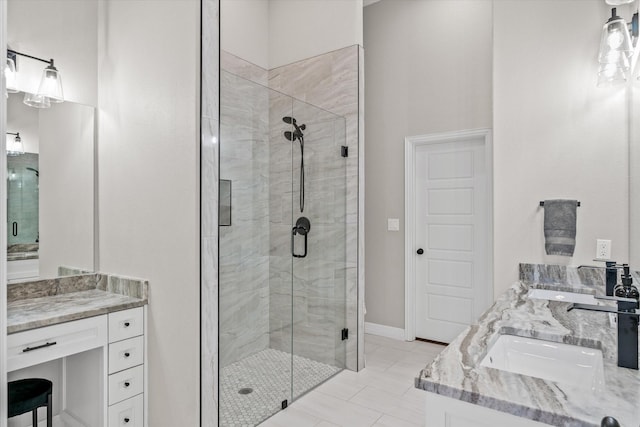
{"x":29,"y":395}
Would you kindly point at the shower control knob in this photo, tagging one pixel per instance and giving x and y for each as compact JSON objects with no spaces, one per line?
{"x":420,"y":251}
{"x":609,"y":422}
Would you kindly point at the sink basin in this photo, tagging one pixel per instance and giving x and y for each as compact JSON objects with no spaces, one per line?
{"x":566,"y":364}
{"x":562,"y":296}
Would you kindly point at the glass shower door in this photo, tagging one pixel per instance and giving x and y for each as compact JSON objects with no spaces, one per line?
{"x":254,"y":256}
{"x":318,"y":246}
{"x":282,"y":246}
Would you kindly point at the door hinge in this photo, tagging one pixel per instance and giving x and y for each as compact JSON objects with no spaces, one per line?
{"x":344,"y":151}
{"x":285,"y":403}
{"x":345,"y":334}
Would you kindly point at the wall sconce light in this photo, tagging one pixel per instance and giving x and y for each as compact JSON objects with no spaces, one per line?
{"x":616,"y":49}
{"x":51,"y":81}
{"x":15,"y":147}
{"x":10,"y":75}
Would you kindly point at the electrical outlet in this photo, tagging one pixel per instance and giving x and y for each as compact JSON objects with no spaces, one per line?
{"x":603,"y":249}
{"x":393,"y":224}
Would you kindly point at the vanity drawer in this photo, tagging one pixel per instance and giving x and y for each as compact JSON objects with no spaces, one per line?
{"x":126,"y":354}
{"x":41,"y":345}
{"x":128,"y":413}
{"x":126,"y":384}
{"x":125,"y":324}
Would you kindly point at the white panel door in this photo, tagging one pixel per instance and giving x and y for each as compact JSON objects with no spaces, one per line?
{"x":452,"y":231}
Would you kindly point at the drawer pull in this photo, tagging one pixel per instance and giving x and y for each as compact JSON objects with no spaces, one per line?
{"x":127,"y":324}
{"x":126,"y":420}
{"x":49,"y":344}
{"x":127,"y":354}
{"x":127,"y":384}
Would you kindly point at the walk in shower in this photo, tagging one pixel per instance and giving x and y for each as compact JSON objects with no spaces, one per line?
{"x":282,"y":249}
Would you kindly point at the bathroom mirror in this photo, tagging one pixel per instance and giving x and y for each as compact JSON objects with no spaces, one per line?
{"x":50,"y":190}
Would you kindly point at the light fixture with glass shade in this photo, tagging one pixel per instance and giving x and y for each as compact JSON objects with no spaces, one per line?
{"x":51,"y":82}
{"x":616,"y":49}
{"x":36,"y":101}
{"x":15,"y":147}
{"x":10,"y":76}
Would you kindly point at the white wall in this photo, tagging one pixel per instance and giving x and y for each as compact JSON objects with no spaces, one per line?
{"x":149,"y":183}
{"x":416,"y":83}
{"x":273,"y":33}
{"x":64,"y":30}
{"x":556,"y":135}
{"x":244,"y":29}
{"x":302,"y":29}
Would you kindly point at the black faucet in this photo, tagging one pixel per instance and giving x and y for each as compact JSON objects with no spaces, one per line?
{"x":627,"y":327}
{"x":612,"y":277}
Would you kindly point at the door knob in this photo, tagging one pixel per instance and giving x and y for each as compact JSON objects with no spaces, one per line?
{"x":420,"y":251}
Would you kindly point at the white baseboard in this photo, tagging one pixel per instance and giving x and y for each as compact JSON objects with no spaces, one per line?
{"x":384,"y":331}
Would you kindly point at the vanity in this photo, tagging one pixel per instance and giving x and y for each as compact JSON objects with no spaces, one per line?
{"x":576,"y":383}
{"x":86,"y":333}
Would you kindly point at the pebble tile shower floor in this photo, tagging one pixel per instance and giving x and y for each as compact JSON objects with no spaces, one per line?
{"x":268,"y":373}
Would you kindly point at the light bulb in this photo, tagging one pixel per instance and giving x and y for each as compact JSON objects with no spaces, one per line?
{"x":615,"y":39}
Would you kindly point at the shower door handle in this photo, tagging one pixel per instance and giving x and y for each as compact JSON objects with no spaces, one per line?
{"x":14,"y":229}
{"x":293,"y":234}
{"x":302,"y":227}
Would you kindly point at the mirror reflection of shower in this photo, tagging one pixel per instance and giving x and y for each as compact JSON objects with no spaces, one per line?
{"x":293,"y":136}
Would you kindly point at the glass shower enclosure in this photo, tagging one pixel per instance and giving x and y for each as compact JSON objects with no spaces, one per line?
{"x":282,"y":249}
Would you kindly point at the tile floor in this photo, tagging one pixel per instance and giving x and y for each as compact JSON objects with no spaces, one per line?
{"x":267,"y":374}
{"x":381,"y":395}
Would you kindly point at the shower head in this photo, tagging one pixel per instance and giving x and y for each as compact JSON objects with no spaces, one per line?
{"x":291,"y":121}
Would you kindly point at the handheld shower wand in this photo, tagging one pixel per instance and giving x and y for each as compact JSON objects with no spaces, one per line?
{"x":292,"y":136}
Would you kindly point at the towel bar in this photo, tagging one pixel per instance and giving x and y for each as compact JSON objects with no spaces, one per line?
{"x":542,"y":204}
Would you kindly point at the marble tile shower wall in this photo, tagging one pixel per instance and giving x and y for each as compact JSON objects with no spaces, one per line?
{"x":331,"y":81}
{"x":244,"y":246}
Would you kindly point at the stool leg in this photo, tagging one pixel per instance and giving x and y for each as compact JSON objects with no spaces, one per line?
{"x":49,"y":412}
{"x":34,"y":414}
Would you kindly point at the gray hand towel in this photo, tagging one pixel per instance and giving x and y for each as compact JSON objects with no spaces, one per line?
{"x":560,"y":226}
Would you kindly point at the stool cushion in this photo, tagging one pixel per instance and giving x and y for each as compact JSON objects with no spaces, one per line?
{"x":27,"y":395}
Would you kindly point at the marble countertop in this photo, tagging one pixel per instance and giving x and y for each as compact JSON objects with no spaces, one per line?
{"x":457,"y":373}
{"x":34,"y":313}
{"x":42,"y":303}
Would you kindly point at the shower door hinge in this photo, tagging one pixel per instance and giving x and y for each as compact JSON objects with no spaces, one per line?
{"x":345,"y":151}
{"x":285,"y":403}
{"x":345,"y":334}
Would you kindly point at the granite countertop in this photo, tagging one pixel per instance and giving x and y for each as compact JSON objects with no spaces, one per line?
{"x":457,"y":373}
{"x":42,"y":303}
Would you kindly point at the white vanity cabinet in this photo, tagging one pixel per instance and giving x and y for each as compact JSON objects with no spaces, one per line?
{"x":442,"y":411}
{"x":126,"y":368}
{"x":97,"y":365}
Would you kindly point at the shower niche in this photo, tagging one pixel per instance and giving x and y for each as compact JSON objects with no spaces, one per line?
{"x":282,"y":259}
